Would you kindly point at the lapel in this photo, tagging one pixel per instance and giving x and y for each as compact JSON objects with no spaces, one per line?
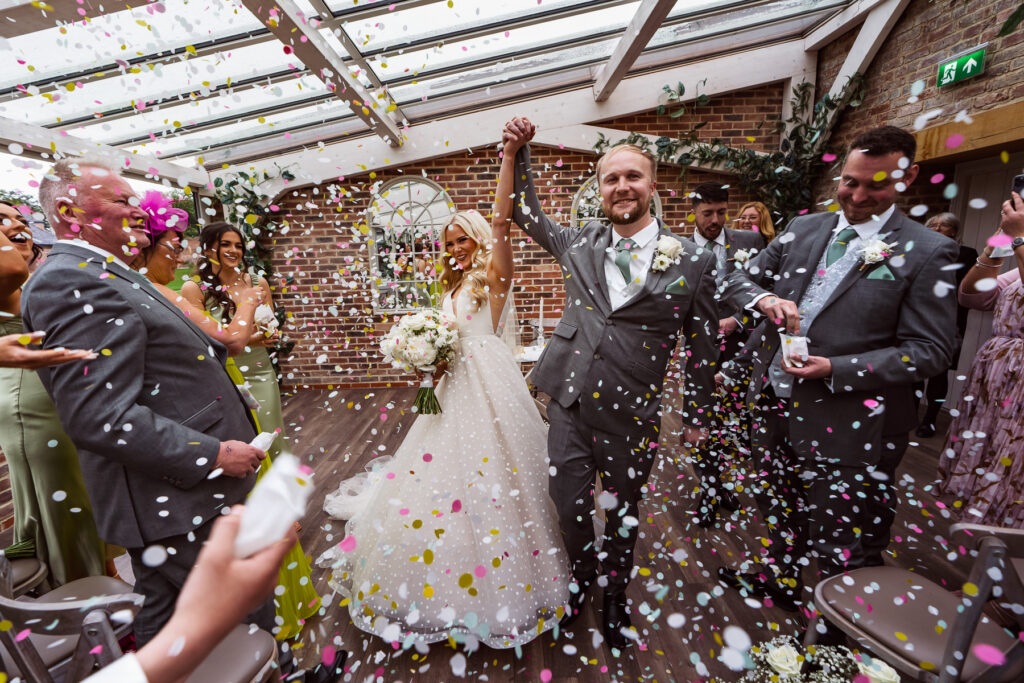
{"x":600,"y":242}
{"x":134,"y":278}
{"x":817,"y":243}
{"x":891,"y":230}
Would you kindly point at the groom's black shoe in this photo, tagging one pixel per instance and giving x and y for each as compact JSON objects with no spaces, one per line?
{"x":577,"y":603}
{"x":615,"y":619}
{"x":763,"y":586}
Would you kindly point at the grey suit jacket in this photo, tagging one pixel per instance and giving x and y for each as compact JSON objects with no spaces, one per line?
{"x":613,"y":361}
{"x":884,"y":327}
{"x":147,"y":415}
{"x":735,"y":240}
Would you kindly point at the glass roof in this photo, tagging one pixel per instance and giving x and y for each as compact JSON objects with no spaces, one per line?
{"x":177,"y":78}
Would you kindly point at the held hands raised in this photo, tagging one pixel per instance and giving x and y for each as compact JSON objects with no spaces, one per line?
{"x":517,"y":133}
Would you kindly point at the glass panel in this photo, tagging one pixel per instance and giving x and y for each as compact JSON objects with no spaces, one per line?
{"x":407,"y":217}
{"x":123,"y":35}
{"x":277,"y":124}
{"x":561,"y":31}
{"x":221,"y":105}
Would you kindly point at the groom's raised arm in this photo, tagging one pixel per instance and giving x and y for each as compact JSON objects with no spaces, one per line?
{"x":527,"y":212}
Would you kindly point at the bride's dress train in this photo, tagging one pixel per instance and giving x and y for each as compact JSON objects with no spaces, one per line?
{"x":456,"y":534}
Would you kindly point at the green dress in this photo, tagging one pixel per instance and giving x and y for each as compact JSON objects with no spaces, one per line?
{"x":255,"y":366}
{"x":299,"y":600}
{"x":51,"y":505}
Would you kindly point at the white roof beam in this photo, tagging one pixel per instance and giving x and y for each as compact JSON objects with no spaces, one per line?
{"x":287,"y":23}
{"x":645,"y":22}
{"x":435,"y":138}
{"x":37,"y":141}
{"x":873,"y":32}
{"x":839,"y":24}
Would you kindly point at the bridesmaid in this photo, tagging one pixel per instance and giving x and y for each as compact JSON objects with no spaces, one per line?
{"x":53,"y":517}
{"x":222,"y":279}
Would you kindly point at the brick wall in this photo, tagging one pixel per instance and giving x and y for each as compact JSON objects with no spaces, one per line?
{"x":326,"y":252}
{"x":928,"y":32}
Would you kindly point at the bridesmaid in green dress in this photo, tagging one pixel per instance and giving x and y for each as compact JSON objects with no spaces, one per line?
{"x":52,"y":513}
{"x":299,"y":600}
{"x":222,"y":277}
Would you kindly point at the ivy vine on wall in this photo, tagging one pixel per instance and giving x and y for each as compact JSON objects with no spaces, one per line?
{"x":783,"y":179}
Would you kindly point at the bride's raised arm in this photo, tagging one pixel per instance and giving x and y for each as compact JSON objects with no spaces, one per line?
{"x":500,"y":269}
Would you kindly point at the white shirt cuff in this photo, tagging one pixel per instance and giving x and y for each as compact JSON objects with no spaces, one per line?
{"x":753,"y":302}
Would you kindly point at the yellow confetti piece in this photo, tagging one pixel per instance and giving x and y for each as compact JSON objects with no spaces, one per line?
{"x":880,"y":176}
{"x":1004,"y":156}
{"x":465,"y":581}
{"x":970,"y":589}
{"x":106,"y":352}
{"x":428,"y":556}
{"x":24,"y":340}
{"x":190,"y":49}
{"x":428,"y":590}
{"x":6,"y":625}
{"x":900,"y":635}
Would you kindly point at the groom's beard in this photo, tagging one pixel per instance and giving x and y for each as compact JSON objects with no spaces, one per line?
{"x":623,"y":216}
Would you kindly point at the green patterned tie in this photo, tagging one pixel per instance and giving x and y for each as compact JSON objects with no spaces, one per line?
{"x":837,"y":249}
{"x":622,"y":255}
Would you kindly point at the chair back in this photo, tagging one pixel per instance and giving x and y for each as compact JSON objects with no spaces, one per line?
{"x":993,"y":576}
{"x":88,"y":622}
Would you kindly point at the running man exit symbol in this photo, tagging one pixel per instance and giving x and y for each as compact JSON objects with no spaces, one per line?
{"x":963,"y":66}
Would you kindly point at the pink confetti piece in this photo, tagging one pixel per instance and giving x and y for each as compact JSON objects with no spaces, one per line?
{"x":828,"y":157}
{"x":545,"y":675}
{"x":937,"y":178}
{"x":480,"y":571}
{"x":427,"y":457}
{"x":456,"y":505}
{"x":999,"y":240}
{"x":871,"y":403}
{"x":989,"y":654}
{"x":348,"y":544}
{"x":954,"y":141}
{"x":327,"y":655}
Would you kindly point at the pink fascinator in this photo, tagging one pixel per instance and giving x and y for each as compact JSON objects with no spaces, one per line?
{"x":161,"y":215}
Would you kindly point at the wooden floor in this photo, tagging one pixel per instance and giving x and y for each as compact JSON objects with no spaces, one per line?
{"x":678,"y":607}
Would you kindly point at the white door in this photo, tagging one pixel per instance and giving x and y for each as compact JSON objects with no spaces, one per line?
{"x":989,"y":179}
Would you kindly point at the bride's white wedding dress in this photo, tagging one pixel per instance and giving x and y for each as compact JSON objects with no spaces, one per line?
{"x":456,"y":534}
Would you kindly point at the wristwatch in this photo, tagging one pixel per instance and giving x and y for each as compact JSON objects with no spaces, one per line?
{"x":1017,"y":243}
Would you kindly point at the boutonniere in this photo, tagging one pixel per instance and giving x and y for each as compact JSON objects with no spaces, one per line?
{"x":669,"y":251}
{"x":742,"y":256}
{"x":876,"y":251}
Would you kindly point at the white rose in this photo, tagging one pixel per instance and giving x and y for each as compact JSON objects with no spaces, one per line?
{"x":741,"y":256}
{"x":670,"y":247}
{"x":878,"y":671}
{"x":784,"y":660}
{"x":265,"y":319}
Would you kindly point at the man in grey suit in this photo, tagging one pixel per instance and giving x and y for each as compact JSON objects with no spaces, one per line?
{"x":632,"y":289}
{"x":160,"y":428}
{"x":874,"y":294}
{"x":710,"y":213}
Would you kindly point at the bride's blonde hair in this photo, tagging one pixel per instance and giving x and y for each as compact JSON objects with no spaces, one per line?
{"x":475,"y":226}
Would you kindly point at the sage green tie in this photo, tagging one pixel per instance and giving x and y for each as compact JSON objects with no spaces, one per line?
{"x":622,"y":256}
{"x":837,"y":249}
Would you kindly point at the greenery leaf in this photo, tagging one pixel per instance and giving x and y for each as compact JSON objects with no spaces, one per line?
{"x":1011,"y":24}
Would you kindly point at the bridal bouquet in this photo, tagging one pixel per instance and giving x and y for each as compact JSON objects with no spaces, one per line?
{"x":419,"y":342}
{"x":783,"y":660}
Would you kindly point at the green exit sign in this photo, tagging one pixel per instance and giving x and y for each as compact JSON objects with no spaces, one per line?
{"x":963,"y":66}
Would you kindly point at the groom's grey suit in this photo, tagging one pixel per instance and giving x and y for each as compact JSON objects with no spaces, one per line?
{"x":147,"y":416}
{"x":883,"y":326}
{"x":604,"y":369}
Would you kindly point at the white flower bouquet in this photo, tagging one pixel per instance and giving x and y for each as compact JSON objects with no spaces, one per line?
{"x":742,"y":256}
{"x":784,"y":660}
{"x":419,"y":342}
{"x":265,"y":320}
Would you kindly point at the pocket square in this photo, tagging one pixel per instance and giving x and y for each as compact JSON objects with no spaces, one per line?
{"x":882,"y":272}
{"x":676,"y":287}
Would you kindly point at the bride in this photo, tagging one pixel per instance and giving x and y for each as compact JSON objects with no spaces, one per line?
{"x":455,"y":536}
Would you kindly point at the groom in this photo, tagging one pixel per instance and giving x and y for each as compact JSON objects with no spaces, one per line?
{"x":631,"y":290}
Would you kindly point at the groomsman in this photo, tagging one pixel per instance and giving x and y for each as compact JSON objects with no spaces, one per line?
{"x":710,"y":214}
{"x":874,"y":294}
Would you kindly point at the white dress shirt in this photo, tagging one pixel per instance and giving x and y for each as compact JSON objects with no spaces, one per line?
{"x":620,"y":291}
